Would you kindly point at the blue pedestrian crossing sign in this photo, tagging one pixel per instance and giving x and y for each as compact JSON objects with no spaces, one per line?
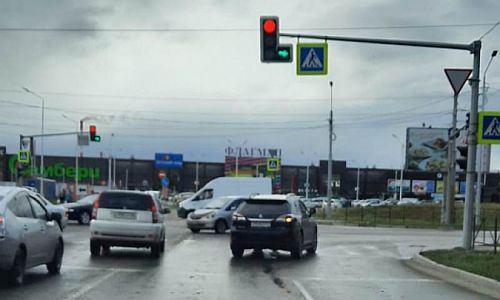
{"x":23,"y":156}
{"x":273,"y":164}
{"x":488,"y":129}
{"x":312,"y":59}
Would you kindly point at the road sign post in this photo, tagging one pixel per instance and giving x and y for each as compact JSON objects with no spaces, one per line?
{"x":457,"y":79}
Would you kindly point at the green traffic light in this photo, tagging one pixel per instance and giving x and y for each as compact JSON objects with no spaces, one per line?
{"x":97,"y":138}
{"x":283,"y":53}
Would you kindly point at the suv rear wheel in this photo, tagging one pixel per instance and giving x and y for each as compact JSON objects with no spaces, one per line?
{"x":237,"y":252}
{"x":297,"y":248}
{"x":314,"y":246}
{"x":155,"y":250}
{"x":95,"y":248}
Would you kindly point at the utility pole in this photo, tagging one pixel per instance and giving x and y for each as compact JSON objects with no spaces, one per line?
{"x":307,"y":181}
{"x":452,"y":156}
{"x":482,"y":148}
{"x":330,"y":136}
{"x":357,"y":185}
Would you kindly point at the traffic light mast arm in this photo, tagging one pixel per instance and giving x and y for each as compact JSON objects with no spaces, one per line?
{"x":469,"y":47}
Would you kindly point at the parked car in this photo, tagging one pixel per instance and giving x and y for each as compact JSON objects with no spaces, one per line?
{"x":277,"y":222}
{"x":217,"y":214}
{"x":389,"y":202}
{"x":58,"y":208}
{"x":81,"y":210}
{"x":408,"y":201}
{"x":320,"y":201}
{"x":29,"y":235}
{"x":371,"y":202}
{"x":126,"y":219}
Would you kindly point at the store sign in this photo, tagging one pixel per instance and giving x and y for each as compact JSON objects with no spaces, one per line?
{"x":58,"y":170}
{"x":253,"y":152}
{"x":168,"y":161}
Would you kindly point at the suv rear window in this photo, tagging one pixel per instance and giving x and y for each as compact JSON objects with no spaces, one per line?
{"x":268,"y":208}
{"x":117,"y":200}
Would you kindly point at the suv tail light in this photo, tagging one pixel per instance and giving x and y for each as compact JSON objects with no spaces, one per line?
{"x":285,"y":219}
{"x":2,"y":226}
{"x":154,"y":210}
{"x":95,"y":208}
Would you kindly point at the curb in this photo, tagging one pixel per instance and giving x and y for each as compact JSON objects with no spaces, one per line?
{"x":479,"y":284}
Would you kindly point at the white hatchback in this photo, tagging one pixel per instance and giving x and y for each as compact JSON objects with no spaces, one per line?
{"x":126,"y":219}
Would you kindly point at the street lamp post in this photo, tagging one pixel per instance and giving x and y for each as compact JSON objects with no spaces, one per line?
{"x":402,"y":165}
{"x":238,"y":153}
{"x":481,"y":148}
{"x":330,"y":136}
{"x":43,"y":132}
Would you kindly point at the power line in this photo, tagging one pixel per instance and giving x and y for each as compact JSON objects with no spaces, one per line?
{"x":201,"y":30}
{"x":490,"y":30}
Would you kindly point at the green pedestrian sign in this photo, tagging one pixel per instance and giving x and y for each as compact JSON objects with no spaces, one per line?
{"x":312,"y":59}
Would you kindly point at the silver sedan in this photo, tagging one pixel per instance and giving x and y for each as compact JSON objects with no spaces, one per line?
{"x":29,"y":235}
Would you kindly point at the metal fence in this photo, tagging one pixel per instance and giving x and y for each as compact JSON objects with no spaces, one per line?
{"x":486,"y":234}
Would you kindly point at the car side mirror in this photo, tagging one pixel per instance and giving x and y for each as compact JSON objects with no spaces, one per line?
{"x":312,"y":211}
{"x":54,"y":216}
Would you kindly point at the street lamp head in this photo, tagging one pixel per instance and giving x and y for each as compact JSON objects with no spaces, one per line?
{"x":26,"y":89}
{"x":331,"y":83}
{"x":494,"y":53}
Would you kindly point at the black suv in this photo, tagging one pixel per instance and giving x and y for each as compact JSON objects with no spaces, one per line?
{"x":277,"y":222}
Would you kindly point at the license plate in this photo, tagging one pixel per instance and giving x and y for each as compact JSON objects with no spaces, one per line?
{"x":261,"y":224}
{"x":124,"y":215}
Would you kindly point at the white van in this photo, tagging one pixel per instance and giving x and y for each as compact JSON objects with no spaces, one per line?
{"x":224,"y":186}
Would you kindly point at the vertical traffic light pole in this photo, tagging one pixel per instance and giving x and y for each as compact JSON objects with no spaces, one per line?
{"x":472,"y":145}
{"x":452,"y":154}
{"x":475,"y":49}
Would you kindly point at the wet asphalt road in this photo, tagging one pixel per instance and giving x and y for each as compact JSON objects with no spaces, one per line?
{"x":351,"y":263}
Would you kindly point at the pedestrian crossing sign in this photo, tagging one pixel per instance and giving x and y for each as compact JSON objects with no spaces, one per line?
{"x":488,"y":127}
{"x":273,"y":164}
{"x":23,"y":156}
{"x":312,"y":59}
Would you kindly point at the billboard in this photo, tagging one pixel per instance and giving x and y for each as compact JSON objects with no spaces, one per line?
{"x":426,"y":149}
{"x":422,"y":187}
{"x":393,"y":185}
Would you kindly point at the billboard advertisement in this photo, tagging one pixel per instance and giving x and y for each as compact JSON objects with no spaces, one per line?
{"x":426,"y":149}
{"x":393,"y":185}
{"x":422,"y":187}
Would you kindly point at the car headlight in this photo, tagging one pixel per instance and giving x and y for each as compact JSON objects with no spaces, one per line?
{"x":210,"y":216}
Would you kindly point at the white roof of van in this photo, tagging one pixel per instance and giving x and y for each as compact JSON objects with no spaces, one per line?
{"x":275,"y":197}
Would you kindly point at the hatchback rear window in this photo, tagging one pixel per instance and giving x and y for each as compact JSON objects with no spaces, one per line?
{"x":268,"y":208}
{"x":131,"y":201}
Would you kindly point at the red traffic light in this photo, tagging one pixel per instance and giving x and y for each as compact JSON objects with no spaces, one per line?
{"x":269,"y":26}
{"x":92,"y":129}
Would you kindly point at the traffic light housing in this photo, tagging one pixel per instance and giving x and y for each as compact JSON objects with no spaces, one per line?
{"x":270,"y":48}
{"x":93,"y":136}
{"x":462,"y":160}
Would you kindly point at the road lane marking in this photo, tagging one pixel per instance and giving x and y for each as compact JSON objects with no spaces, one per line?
{"x":422,"y":280}
{"x":86,"y":288}
{"x":302,"y":290}
{"x":103,"y":269}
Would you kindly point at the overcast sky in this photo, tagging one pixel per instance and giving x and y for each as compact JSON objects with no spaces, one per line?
{"x":186,"y":77}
